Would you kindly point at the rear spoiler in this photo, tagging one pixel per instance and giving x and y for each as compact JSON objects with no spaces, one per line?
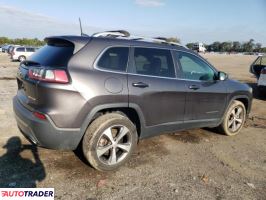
{"x":77,"y":41}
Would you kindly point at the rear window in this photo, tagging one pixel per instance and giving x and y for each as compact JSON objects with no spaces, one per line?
{"x":53,"y":55}
{"x":30,"y":49}
{"x":115,"y":59}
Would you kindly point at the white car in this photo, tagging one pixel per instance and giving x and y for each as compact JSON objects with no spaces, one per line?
{"x":258,"y":68}
{"x":199,"y":47}
{"x":22,"y":53}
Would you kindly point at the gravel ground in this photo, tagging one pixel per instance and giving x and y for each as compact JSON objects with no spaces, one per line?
{"x":194,"y":164}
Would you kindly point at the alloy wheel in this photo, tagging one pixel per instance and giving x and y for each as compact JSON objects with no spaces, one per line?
{"x":236,"y":119}
{"x":114,"y":144}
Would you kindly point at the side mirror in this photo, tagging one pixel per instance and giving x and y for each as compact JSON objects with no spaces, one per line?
{"x":222,"y":76}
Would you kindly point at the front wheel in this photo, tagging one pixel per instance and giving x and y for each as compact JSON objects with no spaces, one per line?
{"x":109,"y":141}
{"x":234,"y":118}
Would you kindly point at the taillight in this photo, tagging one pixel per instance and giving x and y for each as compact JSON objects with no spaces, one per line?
{"x":48,"y":75}
{"x":263,"y":71}
{"x":39,"y":115}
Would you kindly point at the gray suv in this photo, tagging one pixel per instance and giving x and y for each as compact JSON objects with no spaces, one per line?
{"x":107,"y":92}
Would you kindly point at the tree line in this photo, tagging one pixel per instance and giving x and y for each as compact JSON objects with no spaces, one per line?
{"x":22,"y":41}
{"x":235,"y":46}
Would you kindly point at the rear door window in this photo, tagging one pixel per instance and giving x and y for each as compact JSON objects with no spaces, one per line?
{"x":55,"y":55}
{"x":153,"y":62}
{"x":20,"y":49}
{"x":115,"y":59}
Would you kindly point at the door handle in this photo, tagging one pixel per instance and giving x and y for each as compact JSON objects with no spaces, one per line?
{"x":140,"y":85}
{"x":194,"y":87}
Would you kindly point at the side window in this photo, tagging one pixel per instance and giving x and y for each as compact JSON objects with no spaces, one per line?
{"x":115,"y":58}
{"x":21,"y":49}
{"x":154,"y":62}
{"x":263,"y":60}
{"x":258,"y":61}
{"x":30,"y":49}
{"x":193,"y":68}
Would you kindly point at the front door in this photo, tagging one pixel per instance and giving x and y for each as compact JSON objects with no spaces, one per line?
{"x":206,"y":97}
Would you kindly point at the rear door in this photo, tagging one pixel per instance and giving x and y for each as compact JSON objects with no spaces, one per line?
{"x":206,"y":97}
{"x":154,"y":89}
{"x":20,"y":51}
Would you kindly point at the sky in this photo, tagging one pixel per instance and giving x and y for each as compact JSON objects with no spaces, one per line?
{"x":190,"y":20}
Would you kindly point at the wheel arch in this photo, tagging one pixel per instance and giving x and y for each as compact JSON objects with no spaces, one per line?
{"x":242,"y":98}
{"x":132,"y":111}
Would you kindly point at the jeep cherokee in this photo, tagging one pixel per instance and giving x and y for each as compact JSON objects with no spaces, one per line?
{"x":106,"y":93}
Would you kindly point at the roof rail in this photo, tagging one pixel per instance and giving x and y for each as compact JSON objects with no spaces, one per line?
{"x":113,"y":34}
{"x":159,"y":40}
{"x":167,"y":42}
{"x":122,"y":34}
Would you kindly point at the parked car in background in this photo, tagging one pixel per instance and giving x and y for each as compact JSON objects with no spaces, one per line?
{"x":5,"y":48}
{"x":1,"y":48}
{"x":11,"y":48}
{"x":199,"y":47}
{"x":21,"y":53}
{"x":258,"y":68}
{"x":106,"y":92}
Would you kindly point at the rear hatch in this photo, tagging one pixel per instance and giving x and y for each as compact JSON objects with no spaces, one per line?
{"x":48,"y":64}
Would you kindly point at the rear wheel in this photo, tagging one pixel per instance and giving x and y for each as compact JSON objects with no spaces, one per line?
{"x":109,"y":141}
{"x":21,"y":58}
{"x":234,"y":118}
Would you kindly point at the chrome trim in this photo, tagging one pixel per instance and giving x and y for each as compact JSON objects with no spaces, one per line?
{"x":152,"y":76}
{"x":95,"y":66}
{"x":165,"y":48}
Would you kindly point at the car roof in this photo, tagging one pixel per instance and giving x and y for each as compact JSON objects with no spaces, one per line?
{"x":19,"y":47}
{"x":80,"y":41}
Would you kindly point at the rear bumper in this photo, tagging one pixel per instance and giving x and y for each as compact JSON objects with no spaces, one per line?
{"x":43,"y":132}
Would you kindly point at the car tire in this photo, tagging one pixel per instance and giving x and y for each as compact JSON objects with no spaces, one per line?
{"x":21,"y":58}
{"x":234,"y":119}
{"x":109,"y":141}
